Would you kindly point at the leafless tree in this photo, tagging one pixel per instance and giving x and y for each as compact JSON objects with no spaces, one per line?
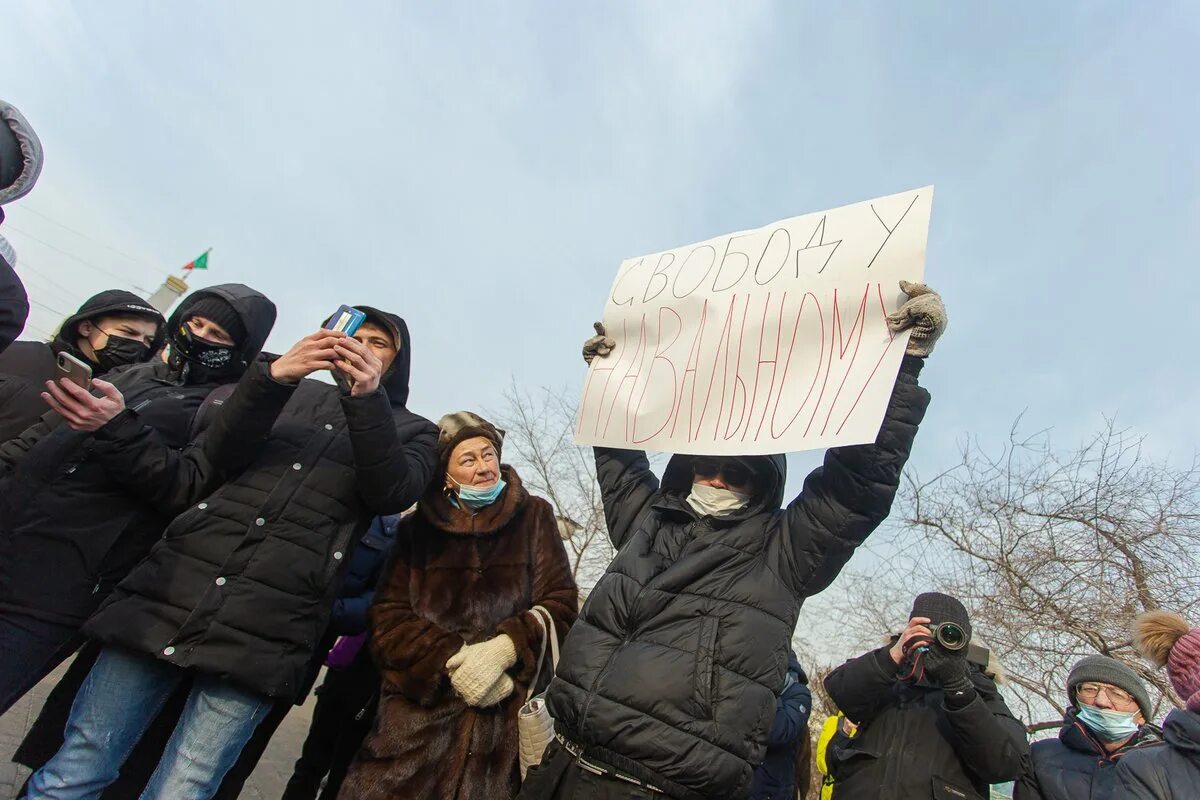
{"x":539,"y":427}
{"x":1054,"y":553}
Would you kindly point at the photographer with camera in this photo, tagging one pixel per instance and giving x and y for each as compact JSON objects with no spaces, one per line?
{"x":931,"y":723}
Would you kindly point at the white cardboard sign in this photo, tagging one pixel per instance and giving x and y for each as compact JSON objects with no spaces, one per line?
{"x":764,"y":341}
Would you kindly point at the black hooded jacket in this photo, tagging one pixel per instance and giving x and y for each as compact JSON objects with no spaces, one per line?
{"x":26,"y":366}
{"x":910,"y":745}
{"x":242,"y":584}
{"x":672,"y":670}
{"x":1165,"y":773}
{"x":1075,"y":766}
{"x":69,"y":528}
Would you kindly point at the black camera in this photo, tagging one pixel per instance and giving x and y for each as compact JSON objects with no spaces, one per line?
{"x":949,"y":635}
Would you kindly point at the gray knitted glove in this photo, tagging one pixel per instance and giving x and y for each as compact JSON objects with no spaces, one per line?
{"x":599,"y":345}
{"x":925,"y":313}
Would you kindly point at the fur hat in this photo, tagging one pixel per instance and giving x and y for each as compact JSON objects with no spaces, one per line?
{"x":463,"y":425}
{"x":939,"y":608}
{"x":1166,"y":639}
{"x":1102,"y":669}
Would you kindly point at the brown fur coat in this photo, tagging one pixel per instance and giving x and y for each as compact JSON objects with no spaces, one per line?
{"x":458,"y":577}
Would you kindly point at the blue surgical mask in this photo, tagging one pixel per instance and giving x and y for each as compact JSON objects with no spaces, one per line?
{"x":1108,"y":725}
{"x":475,"y":499}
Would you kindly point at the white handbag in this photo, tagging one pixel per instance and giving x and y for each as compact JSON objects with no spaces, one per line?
{"x":535,"y":726}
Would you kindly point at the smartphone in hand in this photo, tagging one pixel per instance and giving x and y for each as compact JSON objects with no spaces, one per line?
{"x":76,"y":371}
{"x":346,"y":320}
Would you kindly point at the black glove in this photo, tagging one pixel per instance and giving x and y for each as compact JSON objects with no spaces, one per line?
{"x":951,"y":672}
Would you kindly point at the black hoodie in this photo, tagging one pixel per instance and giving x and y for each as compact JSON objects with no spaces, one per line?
{"x":26,"y":366}
{"x":243,"y":582}
{"x":672,"y":670}
{"x":69,"y":529}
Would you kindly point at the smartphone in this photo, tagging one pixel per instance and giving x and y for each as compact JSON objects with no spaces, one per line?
{"x":76,"y":371}
{"x":346,"y":320}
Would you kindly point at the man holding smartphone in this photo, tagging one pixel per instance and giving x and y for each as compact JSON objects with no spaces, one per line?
{"x":112,"y":329}
{"x":68,"y":529}
{"x":240,"y":588}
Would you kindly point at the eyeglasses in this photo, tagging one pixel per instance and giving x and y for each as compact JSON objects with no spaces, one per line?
{"x":731,"y":472}
{"x":1090,"y":691}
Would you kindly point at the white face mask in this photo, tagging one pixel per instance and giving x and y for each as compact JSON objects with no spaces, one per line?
{"x":709,"y":501}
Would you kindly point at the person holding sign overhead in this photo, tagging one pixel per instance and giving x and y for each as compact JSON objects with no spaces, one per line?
{"x":667,"y":681}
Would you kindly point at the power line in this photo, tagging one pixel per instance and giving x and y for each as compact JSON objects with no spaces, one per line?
{"x":63,"y":314}
{"x":74,"y":257}
{"x":36,"y":213}
{"x":41,"y":277}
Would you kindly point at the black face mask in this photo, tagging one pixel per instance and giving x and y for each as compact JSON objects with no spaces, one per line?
{"x":119,"y":351}
{"x":217,"y":359}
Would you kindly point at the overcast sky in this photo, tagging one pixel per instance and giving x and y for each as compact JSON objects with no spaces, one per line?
{"x":482,"y":169}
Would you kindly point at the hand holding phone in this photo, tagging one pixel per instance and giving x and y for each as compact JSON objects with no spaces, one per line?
{"x":75,"y":370}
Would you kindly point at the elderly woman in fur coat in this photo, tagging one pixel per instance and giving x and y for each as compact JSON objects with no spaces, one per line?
{"x":452,"y":630}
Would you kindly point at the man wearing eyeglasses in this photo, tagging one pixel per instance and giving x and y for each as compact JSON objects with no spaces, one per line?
{"x":1106,"y":719}
{"x":668,"y":685}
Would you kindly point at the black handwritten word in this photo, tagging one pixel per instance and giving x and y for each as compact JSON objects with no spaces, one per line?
{"x":801,"y":366}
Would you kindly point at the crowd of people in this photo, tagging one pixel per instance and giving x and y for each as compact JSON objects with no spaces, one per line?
{"x":202,"y":526}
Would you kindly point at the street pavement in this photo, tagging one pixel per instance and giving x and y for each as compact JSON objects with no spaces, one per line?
{"x":266,"y":783}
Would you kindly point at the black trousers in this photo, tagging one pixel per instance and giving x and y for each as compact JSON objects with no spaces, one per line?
{"x":558,"y":777}
{"x":30,"y":649}
{"x":342,"y":717}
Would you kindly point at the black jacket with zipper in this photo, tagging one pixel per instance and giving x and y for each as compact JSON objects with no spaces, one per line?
{"x":1075,"y":766}
{"x":243,"y":581}
{"x":672,"y":670}
{"x":1165,"y":773}
{"x":70,"y":528}
{"x":910,"y":745}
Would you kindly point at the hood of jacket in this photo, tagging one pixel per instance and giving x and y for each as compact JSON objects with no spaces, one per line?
{"x":113,"y":301}
{"x":20,"y":154}
{"x":770,"y":474}
{"x":256,"y":312}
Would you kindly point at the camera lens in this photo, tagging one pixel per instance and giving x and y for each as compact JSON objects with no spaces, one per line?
{"x":951,"y":637}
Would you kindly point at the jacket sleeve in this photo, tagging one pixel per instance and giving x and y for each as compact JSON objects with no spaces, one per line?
{"x":13,"y":452}
{"x":1027,"y":786}
{"x":791,"y":715}
{"x":410,"y":651}
{"x":863,"y":686}
{"x":170,"y":480}
{"x":553,"y":589}
{"x":14,"y":305}
{"x":845,"y":499}
{"x":350,"y":613}
{"x":626,"y":486}
{"x":1136,"y":779}
{"x":391,"y":470}
{"x":989,"y":738}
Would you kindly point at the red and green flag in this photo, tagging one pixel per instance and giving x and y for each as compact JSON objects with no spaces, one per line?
{"x":199,"y":263}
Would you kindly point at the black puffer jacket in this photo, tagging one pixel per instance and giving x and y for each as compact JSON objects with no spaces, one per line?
{"x":910,"y":745}
{"x":1075,"y":766}
{"x":1165,"y":773}
{"x":672,"y":670}
{"x":69,"y":528}
{"x":242,"y":583}
{"x":26,"y":366}
{"x":14,"y":303}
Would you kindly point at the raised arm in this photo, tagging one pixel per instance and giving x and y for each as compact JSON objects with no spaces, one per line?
{"x":863,"y":686}
{"x":845,"y":499}
{"x":986,"y":735}
{"x":626,"y":486}
{"x":393,"y":460}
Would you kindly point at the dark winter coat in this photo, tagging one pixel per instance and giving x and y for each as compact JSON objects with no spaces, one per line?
{"x":243,"y":582}
{"x":458,"y":578}
{"x":672,"y":671}
{"x":1075,"y":766}
{"x":70,"y":528}
{"x":357,"y":591}
{"x":26,"y":366}
{"x":775,"y":778}
{"x":1165,"y":773}
{"x":14,"y":304}
{"x":910,"y":745}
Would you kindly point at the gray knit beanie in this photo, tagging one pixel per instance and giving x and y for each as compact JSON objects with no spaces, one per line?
{"x":1102,"y":669}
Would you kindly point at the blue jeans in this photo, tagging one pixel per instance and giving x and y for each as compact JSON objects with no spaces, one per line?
{"x":117,"y":702}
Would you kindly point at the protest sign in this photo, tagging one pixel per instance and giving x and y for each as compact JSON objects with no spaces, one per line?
{"x":764,"y":341}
